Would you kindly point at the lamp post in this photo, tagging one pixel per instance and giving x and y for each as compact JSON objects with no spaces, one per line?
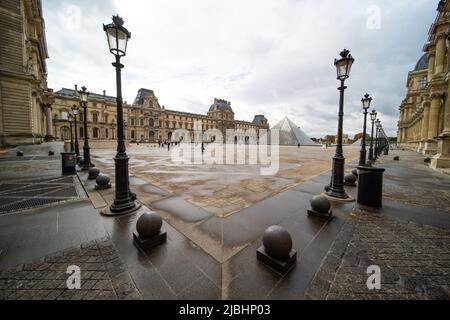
{"x":377,"y":125}
{"x":336,"y":190}
{"x":70,"y":118}
{"x":84,"y":96}
{"x":373,"y":117}
{"x":124,"y":200}
{"x":75,"y":113}
{"x":366,"y":101}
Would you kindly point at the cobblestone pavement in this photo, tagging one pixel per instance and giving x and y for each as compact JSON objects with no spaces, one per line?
{"x":414,"y":260}
{"x":103,"y":276}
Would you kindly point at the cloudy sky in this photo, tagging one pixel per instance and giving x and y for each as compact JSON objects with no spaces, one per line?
{"x":273,"y":57}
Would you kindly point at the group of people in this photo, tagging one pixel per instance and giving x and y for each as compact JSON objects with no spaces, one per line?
{"x":168,"y":145}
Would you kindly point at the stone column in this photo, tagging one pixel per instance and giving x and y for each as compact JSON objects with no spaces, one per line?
{"x":431,"y":60}
{"x":425,"y":120}
{"x":446,"y":129}
{"x":49,"y":123}
{"x":440,"y":53}
{"x":433,"y":124}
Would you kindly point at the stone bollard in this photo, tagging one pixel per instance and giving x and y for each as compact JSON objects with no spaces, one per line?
{"x":103,"y":182}
{"x":350,"y":180}
{"x":19,"y":153}
{"x":276,"y":251}
{"x":320,"y":207}
{"x":149,"y":233}
{"x":93,"y":173}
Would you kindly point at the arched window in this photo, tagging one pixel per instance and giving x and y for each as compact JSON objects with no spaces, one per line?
{"x":151,"y":123}
{"x":95,"y":133}
{"x":95,"y":117}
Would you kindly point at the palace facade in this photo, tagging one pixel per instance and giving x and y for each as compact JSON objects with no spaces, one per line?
{"x":147,"y":121}
{"x":424,"y":123}
{"x":25,"y":112}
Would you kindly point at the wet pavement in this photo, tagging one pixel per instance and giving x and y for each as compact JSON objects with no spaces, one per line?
{"x":408,"y":239}
{"x":209,"y":256}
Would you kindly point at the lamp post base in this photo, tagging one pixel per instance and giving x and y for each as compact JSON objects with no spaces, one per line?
{"x":362,"y":158}
{"x":338,"y":197}
{"x":112,"y":210}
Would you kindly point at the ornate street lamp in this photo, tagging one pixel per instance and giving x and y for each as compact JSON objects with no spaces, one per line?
{"x":124,"y":200}
{"x":336,"y":190}
{"x":70,"y":119}
{"x":366,"y":101}
{"x":373,"y":117}
{"x":75,"y":113}
{"x":84,"y":97}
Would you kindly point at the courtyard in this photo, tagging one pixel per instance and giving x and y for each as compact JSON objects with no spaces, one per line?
{"x":217,"y":250}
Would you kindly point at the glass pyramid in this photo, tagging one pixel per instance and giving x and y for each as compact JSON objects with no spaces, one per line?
{"x":291,"y":134}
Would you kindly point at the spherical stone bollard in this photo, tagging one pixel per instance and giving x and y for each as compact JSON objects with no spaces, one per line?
{"x":321,"y":204}
{"x":148,"y":225}
{"x":51,"y":153}
{"x":277,"y":242}
{"x":103,"y":182}
{"x":350,"y":180}
{"x":19,"y":153}
{"x":149,"y":233}
{"x":93,"y":173}
{"x":355,"y":172}
{"x":276,"y":251}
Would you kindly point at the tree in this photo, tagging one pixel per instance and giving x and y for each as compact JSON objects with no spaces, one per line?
{"x":360,"y":135}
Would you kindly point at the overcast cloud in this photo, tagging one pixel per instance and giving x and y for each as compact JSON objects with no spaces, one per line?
{"x":271,"y":57}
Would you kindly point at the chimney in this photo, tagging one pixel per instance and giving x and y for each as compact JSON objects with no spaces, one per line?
{"x":76,"y":87}
{"x":104,"y":92}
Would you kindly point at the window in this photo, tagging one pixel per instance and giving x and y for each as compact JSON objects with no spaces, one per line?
{"x":81,"y":132}
{"x":106,"y":133}
{"x":106,"y":118}
{"x":64,"y":115}
{"x":423,"y":82}
{"x":132,"y":134}
{"x":141,"y":122}
{"x":65,"y":133}
{"x":95,"y":117}
{"x":95,"y":133}
{"x":132,"y":121}
{"x":151,"y":123}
